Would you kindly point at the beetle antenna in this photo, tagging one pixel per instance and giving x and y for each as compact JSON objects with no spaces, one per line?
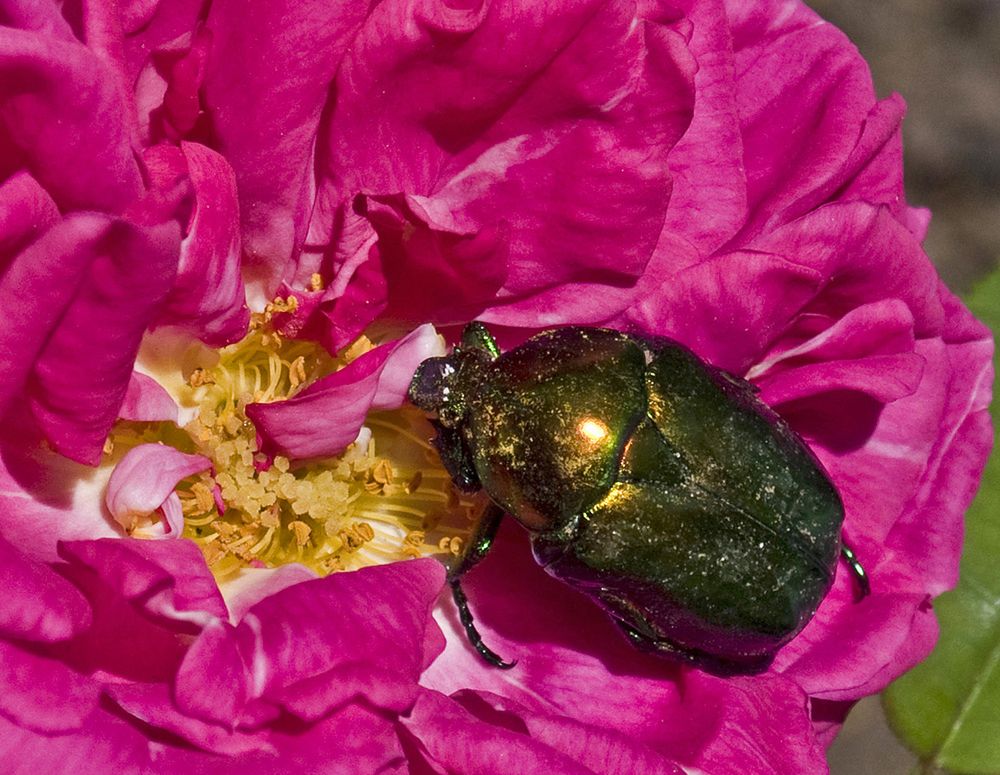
{"x":860,"y":574}
{"x":465,"y":616}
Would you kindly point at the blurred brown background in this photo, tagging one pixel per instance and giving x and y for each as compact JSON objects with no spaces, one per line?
{"x":943,"y":56}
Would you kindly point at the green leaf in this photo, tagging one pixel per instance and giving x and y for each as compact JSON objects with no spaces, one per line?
{"x":947,"y":710}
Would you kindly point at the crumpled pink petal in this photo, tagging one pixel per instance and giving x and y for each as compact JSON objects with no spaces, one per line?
{"x":266,"y":117}
{"x":64,"y":119}
{"x":37,"y":604}
{"x":168,"y":580}
{"x":583,"y":748}
{"x":43,"y":694}
{"x":297,"y":649}
{"x":354,"y":739}
{"x":457,"y":741}
{"x":82,"y":372}
{"x":45,"y":497}
{"x":57,"y":261}
{"x":799,"y":151}
{"x":566,"y":181}
{"x":208,"y":299}
{"x":314,"y":649}
{"x":378,"y":379}
{"x":145,"y":478}
{"x":26,"y":211}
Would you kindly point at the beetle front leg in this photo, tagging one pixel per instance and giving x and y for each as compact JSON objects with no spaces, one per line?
{"x":480,"y":541}
{"x":479,"y":546}
{"x":465,"y":617}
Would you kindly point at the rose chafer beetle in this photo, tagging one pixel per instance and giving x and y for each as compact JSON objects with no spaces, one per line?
{"x":656,"y":484}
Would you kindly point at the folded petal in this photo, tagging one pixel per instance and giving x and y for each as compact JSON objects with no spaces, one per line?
{"x":434,"y":269}
{"x":104,"y":742}
{"x":144,"y":478}
{"x":566,"y":162}
{"x":378,"y":379}
{"x":45,"y":497}
{"x":456,"y":740}
{"x":885,"y":378}
{"x":762,"y":726}
{"x":599,"y":750}
{"x":708,"y":203}
{"x":26,"y":211}
{"x":146,"y":401}
{"x":56,"y":263}
{"x":82,"y":374}
{"x":809,"y":120}
{"x":710,"y":306}
{"x":66,"y":121}
{"x":152,"y":704}
{"x":38,"y":604}
{"x":169,"y":580}
{"x":358,"y":634}
{"x":43,"y":694}
{"x":266,"y":117}
{"x":208,"y":299}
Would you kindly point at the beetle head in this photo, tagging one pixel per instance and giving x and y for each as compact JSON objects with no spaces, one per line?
{"x":440,"y":385}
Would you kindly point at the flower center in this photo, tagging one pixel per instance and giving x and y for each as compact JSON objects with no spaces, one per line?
{"x":385,"y":498}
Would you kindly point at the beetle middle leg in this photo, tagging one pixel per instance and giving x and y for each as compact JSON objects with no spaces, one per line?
{"x":479,"y":546}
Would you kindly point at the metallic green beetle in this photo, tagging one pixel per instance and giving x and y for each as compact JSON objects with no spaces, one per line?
{"x":656,"y":484}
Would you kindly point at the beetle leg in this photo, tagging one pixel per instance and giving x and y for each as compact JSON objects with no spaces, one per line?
{"x":476,"y":336}
{"x":699,"y":659}
{"x":860,"y":575}
{"x":465,"y":616}
{"x":479,"y":542}
{"x":479,"y":546}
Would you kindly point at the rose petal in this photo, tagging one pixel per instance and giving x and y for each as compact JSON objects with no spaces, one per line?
{"x":214,"y":681}
{"x":56,"y":262}
{"x":169,"y":579}
{"x":378,"y":379}
{"x":883,"y":377}
{"x":805,"y":101}
{"x":151,"y":703}
{"x":208,"y":299}
{"x":146,"y":401}
{"x":45,"y":497}
{"x":66,"y":121}
{"x":566,"y":160}
{"x":102,"y":742}
{"x":599,"y":750}
{"x":266,"y":118}
{"x":145,"y":477}
{"x":708,"y":203}
{"x":26,"y":211}
{"x":311,"y":647}
{"x":82,"y":374}
{"x":459,"y":742}
{"x":37,"y":604}
{"x":42,"y":693}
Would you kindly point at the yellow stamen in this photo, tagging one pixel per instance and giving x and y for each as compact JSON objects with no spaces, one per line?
{"x":383,"y":500}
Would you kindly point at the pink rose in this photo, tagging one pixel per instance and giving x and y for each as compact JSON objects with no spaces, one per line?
{"x":718,"y":173}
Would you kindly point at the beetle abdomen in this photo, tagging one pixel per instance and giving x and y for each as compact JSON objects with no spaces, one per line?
{"x":719,"y":536}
